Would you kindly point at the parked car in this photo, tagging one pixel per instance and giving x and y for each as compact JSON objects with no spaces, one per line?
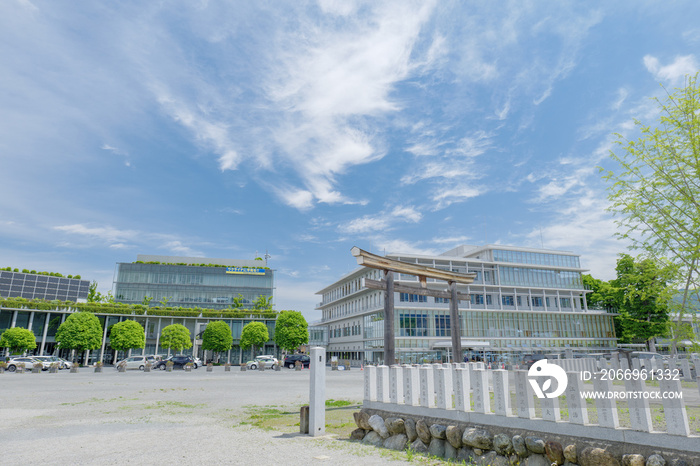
{"x":268,"y":360}
{"x":179,"y":361}
{"x":197,"y":362}
{"x":291,"y":360}
{"x":46,"y":361}
{"x":14,"y":362}
{"x":137,"y":362}
{"x":64,"y":363}
{"x":647,"y":355}
{"x":530,"y":359}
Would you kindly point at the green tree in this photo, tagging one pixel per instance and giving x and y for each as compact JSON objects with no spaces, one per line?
{"x":217,"y":337}
{"x":237,"y":302}
{"x":291,"y":330}
{"x":655,"y":193}
{"x":603,"y":296}
{"x":18,"y":339}
{"x":94,"y":296}
{"x":175,"y":337}
{"x":127,"y":335}
{"x":643,"y":295}
{"x":254,"y":335}
{"x":81,"y":331}
{"x":147,"y":300}
{"x":262,"y":303}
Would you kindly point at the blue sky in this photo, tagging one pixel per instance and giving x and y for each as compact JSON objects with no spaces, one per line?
{"x":220,"y":129}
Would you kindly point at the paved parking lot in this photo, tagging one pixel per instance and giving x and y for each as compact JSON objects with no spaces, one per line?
{"x":165,"y":418}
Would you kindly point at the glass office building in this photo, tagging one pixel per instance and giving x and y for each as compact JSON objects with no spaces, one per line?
{"x":36,"y":286}
{"x":522,"y":301}
{"x":192,"y":281}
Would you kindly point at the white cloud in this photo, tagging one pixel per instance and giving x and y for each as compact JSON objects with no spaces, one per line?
{"x":674,"y":72}
{"x":451,"y":240}
{"x":382,"y":221}
{"x":107,"y":234}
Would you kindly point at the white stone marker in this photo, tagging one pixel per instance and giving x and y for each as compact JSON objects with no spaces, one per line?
{"x":624,"y":364}
{"x":383,"y":384}
{"x":427,"y":388}
{"x":698,"y":378}
{"x":317,"y":392}
{"x":482,"y":400}
{"x":606,"y":407}
{"x":615,"y":361}
{"x":674,"y":408}
{"x":441,"y":388}
{"x":460,"y":382}
{"x":396,"y":384}
{"x":371,"y":383}
{"x":653,"y":365}
{"x":411,"y":386}
{"x":640,"y":415}
{"x":685,"y":367}
{"x":578,"y":411}
{"x":501,"y":393}
{"x":523,"y":396}
{"x":550,"y":409}
{"x":636,"y":364}
{"x":436,"y":382}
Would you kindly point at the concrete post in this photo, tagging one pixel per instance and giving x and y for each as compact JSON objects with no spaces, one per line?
{"x":578,"y":411}
{"x":383,"y":384}
{"x":482,"y":401}
{"x":606,"y":407}
{"x":370,"y":383}
{"x":523,"y":396}
{"x":317,"y":393}
{"x":501,"y":393}
{"x":461,"y":384}
{"x":427,"y":387}
{"x":396,"y":384}
{"x":550,"y":409}
{"x":444,"y":388}
{"x":640,"y":415}
{"x":411,"y":385}
{"x":685,"y":366}
{"x":674,"y":408}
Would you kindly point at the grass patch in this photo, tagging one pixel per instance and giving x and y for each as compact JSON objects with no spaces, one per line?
{"x":339,"y":419}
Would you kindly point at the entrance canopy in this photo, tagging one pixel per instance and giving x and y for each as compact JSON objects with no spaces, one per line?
{"x":465,"y":344}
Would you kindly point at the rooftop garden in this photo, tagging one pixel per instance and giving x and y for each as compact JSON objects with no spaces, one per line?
{"x":50,"y":274}
{"x":201,"y":265}
{"x":135,"y":309}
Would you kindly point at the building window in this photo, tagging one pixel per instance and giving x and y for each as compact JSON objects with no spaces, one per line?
{"x":442,"y":326}
{"x":413,"y":325}
{"x":442,"y":300}
{"x":536,"y":301}
{"x":507,"y":300}
{"x":412,"y":298}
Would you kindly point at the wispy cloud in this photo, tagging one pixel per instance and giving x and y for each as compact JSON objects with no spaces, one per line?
{"x":674,"y":72}
{"x":382,"y":221}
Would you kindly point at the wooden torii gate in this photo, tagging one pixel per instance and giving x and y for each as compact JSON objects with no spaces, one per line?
{"x":389,"y":266}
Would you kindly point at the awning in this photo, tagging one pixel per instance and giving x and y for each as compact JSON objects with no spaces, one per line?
{"x":465,"y":344}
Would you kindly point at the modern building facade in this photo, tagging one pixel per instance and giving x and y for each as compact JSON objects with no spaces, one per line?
{"x":45,"y":322}
{"x":38,"y":286}
{"x":522,"y":301}
{"x":192,"y":281}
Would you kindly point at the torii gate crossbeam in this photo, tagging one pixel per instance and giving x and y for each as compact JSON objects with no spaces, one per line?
{"x":389,"y":266}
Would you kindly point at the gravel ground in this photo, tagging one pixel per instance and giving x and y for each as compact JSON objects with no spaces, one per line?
{"x":166,"y":418}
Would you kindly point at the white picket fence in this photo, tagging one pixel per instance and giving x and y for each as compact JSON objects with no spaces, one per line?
{"x":448,"y":390}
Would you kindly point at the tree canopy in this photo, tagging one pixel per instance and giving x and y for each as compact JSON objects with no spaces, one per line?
{"x":655,"y":193}
{"x":127,"y":335}
{"x":291,"y":330}
{"x":254,"y":334}
{"x":262,"y":302}
{"x":217,"y":337}
{"x":643,"y":294}
{"x":175,"y":337}
{"x":81,"y":331}
{"x":18,"y":339}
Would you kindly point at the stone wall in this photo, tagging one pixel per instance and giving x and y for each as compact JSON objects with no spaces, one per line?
{"x":503,"y":446}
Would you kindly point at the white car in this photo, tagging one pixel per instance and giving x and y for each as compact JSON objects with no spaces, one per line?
{"x":134,"y":362}
{"x":46,"y":361}
{"x":268,"y":360}
{"x":28,"y":362}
